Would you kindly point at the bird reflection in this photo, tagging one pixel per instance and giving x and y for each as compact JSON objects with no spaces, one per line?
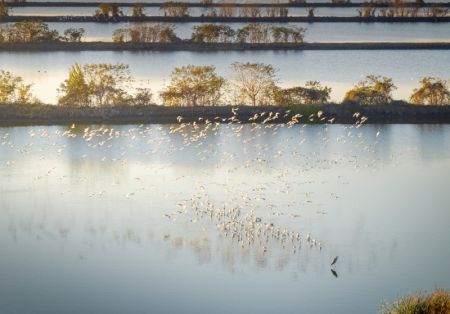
{"x":334,"y":273}
{"x":85,"y":173}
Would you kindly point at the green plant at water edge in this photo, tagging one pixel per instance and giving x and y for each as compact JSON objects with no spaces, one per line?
{"x":432,"y":91}
{"x":374,"y":90}
{"x":194,"y":86}
{"x":14,"y":91}
{"x":436,"y":302}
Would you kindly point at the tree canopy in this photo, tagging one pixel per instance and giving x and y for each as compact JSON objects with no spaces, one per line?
{"x":254,"y":83}
{"x":194,"y":86}
{"x":432,"y":91}
{"x":146,"y":33}
{"x":14,"y":91}
{"x":373,"y":90}
{"x":313,"y":93}
{"x":28,"y":32}
{"x":100,"y":85}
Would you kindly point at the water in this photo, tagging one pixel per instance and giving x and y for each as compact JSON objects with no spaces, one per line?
{"x":155,"y":11}
{"x":337,"y":69}
{"x":315,"y":32}
{"x":227,"y":1}
{"x":83,"y":225}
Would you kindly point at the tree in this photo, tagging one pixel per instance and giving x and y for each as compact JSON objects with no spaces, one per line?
{"x":254,"y":33}
{"x":175,"y":9}
{"x":146,"y":33}
{"x":4,"y":10}
{"x":313,"y":93}
{"x":432,"y":91}
{"x":138,"y":10}
{"x":143,"y":97}
{"x":14,"y":91}
{"x":96,"y":85}
{"x":107,"y":82}
{"x":374,"y":90}
{"x":106,"y":10}
{"x":28,"y":31}
{"x":212,"y":33}
{"x":194,"y":86}
{"x":75,"y":90}
{"x":73,"y":34}
{"x":254,"y":83}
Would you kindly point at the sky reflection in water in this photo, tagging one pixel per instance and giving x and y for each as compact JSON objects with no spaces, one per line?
{"x":106,"y":218}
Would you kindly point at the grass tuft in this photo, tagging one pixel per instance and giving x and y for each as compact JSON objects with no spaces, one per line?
{"x":436,"y":302}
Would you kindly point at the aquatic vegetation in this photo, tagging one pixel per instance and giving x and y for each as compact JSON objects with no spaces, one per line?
{"x":435,"y":302}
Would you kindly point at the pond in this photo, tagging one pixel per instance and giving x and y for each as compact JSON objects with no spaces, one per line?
{"x":315,"y":32}
{"x":193,"y":11}
{"x":133,"y":218}
{"x":337,"y":69}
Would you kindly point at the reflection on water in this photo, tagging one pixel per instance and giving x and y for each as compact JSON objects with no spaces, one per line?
{"x":337,"y":69}
{"x":214,"y":218}
{"x":154,"y":11}
{"x":316,"y":32}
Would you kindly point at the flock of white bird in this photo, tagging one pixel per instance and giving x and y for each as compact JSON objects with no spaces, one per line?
{"x":245,"y":219}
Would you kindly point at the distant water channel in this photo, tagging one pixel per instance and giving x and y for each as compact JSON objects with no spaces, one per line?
{"x":128,"y":219}
{"x":337,"y":69}
{"x":315,"y":32}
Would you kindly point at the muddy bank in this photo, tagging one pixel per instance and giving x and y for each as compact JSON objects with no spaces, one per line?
{"x":203,"y":5}
{"x":219,"y":19}
{"x":48,"y":115}
{"x":189,"y":46}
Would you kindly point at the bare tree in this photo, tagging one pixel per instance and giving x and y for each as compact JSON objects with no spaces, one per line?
{"x":254,"y":83}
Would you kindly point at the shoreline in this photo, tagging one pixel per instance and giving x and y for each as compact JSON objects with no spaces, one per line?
{"x":205,"y":47}
{"x":218,"y":19}
{"x":16,"y":115}
{"x":235,"y":4}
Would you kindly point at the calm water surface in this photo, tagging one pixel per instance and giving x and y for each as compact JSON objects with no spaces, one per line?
{"x":315,"y":32}
{"x":338,"y":69}
{"x":153,"y":11}
{"x":108,"y":219}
